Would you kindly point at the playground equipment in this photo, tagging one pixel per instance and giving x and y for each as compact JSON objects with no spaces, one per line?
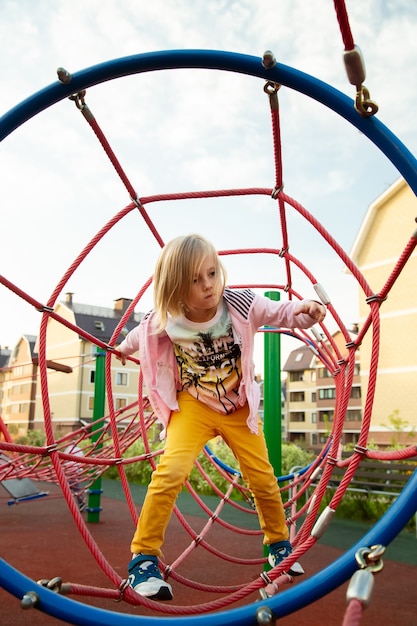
{"x":112,"y":439}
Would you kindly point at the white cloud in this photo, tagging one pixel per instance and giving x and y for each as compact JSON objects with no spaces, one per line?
{"x":186,"y":130}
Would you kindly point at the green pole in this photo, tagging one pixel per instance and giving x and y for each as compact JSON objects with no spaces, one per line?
{"x":94,"y":498}
{"x":272,"y":399}
{"x":272,"y":394}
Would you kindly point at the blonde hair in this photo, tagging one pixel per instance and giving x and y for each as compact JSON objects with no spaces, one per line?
{"x":175,"y":270}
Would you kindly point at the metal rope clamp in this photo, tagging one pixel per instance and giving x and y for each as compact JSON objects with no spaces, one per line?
{"x":362,"y":581}
{"x":355,"y":69}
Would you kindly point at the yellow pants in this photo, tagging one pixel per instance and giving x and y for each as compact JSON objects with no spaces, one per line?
{"x":187,"y":433}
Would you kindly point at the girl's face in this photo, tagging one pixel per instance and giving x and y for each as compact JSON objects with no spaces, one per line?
{"x":204,"y":296}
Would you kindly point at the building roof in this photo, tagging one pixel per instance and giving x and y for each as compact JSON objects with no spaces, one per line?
{"x":4,"y":357}
{"x":301,"y":359}
{"x":103,"y":327}
{"x":371,"y":215}
{"x":31,"y":339}
{"x":101,"y":322}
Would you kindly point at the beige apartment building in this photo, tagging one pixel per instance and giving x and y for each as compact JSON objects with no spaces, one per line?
{"x":18,"y":387}
{"x":71,"y":361}
{"x":301,"y":408}
{"x":326,"y":396}
{"x":387,"y":228}
{"x":311,"y":397}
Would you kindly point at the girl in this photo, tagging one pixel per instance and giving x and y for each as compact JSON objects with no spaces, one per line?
{"x":196,"y":354}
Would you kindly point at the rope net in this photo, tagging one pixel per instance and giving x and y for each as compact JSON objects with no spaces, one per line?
{"x":106,"y":441}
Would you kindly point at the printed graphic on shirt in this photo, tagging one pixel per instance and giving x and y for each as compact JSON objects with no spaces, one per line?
{"x":208,"y":360}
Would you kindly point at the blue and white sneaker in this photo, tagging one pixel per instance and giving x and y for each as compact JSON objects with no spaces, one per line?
{"x":146,"y":579}
{"x":278,"y":552}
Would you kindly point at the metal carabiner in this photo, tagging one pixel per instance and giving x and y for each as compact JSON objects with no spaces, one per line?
{"x":362,"y":582}
{"x":78,"y":98}
{"x":271,"y":89}
{"x":369,"y":558}
{"x":363,"y":104}
{"x":54,"y":584}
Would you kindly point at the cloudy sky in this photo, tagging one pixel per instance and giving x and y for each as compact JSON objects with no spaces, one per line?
{"x":188,"y":130}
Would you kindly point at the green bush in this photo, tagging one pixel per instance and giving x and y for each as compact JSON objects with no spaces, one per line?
{"x":140,"y":472}
{"x":362,"y":507}
{"x":221,"y":451}
{"x":294,"y":456}
{"x":33,"y":438}
{"x":359,"y":506}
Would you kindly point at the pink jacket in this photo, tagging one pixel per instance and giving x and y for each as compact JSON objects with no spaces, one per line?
{"x":248,"y":312}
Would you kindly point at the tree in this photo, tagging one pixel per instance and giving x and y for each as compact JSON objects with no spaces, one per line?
{"x":398,"y":425}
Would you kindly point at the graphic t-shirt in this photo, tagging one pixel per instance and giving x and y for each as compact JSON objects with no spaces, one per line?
{"x":208,"y":359}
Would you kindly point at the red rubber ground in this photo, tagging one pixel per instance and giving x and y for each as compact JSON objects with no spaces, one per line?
{"x":40,"y":539}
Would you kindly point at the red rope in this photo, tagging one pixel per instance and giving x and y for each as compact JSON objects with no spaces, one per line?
{"x":343,"y":20}
{"x":399,"y":266}
{"x":117,"y":166}
{"x":276,"y":136}
{"x":120,"y":429}
{"x":393,"y":455}
{"x":353,"y":613}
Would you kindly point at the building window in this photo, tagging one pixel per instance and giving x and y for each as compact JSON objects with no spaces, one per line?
{"x":352,"y":438}
{"x":119,"y":403}
{"x":99,"y":325}
{"x":323,"y":372}
{"x":18,"y":371}
{"x":297,"y":437}
{"x":327,"y":394}
{"x":353,"y":415}
{"x":20,"y":407}
{"x":297,"y":396}
{"x":296,"y":376}
{"x":355,"y":392}
{"x":91,"y":403}
{"x":314,"y":418}
{"x":326,"y":416}
{"x":20,"y":390}
{"x":313,"y":396}
{"x":313,"y":376}
{"x":121,"y":378}
{"x":297,"y":416}
{"x":92,"y":376}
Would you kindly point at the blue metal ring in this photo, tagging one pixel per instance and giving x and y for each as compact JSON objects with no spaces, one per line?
{"x":379,"y":134}
{"x":404,"y":507}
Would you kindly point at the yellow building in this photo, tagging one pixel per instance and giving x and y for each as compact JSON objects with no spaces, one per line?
{"x":301,"y":408}
{"x":71,"y":361}
{"x":18,"y":387}
{"x":311,"y":397}
{"x":387,"y":228}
